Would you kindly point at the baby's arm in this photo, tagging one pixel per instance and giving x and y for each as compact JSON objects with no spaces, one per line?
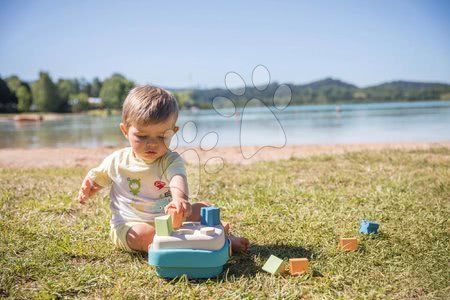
{"x":88,"y":188}
{"x":96,"y":179}
{"x":180,"y":199}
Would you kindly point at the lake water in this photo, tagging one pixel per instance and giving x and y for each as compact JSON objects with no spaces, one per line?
{"x":312,"y":124}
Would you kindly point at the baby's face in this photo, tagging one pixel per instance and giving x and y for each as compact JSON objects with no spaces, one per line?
{"x":150,"y":142}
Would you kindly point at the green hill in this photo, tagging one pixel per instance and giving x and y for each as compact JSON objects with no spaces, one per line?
{"x":407,"y":91}
{"x":332,"y":91}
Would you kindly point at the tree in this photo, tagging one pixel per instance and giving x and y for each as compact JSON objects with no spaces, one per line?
{"x":79,"y":102}
{"x":66,"y":87}
{"x":114,"y":90}
{"x":184,"y":98}
{"x":84,"y":86}
{"x":45,"y":94}
{"x":24,"y":98}
{"x":13,"y":83}
{"x":96,"y":86}
{"x":6,"y":102}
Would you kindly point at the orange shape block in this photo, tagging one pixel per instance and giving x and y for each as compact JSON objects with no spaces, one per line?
{"x":348,"y":244}
{"x":226,"y":227}
{"x":177,"y":219}
{"x":298,"y":266}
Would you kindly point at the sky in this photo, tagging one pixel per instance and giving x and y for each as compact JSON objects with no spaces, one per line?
{"x":180,"y":44}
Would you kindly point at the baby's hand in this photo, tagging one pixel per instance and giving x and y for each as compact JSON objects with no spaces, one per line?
{"x":88,"y":188}
{"x":181,"y":206}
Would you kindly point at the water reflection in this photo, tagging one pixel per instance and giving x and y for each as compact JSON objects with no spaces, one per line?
{"x":354,"y":123}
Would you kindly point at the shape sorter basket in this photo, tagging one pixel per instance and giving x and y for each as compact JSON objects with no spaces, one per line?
{"x":194,"y":250}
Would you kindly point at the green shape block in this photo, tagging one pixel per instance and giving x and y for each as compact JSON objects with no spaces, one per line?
{"x":163,"y":225}
{"x":274,"y":265}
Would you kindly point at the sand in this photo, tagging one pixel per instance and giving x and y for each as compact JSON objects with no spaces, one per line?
{"x":88,"y":157}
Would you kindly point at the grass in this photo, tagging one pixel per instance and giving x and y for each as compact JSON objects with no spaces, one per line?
{"x":52,"y":247}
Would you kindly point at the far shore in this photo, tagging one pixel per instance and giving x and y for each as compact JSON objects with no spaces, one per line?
{"x":50,"y":116}
{"x":88,"y":157}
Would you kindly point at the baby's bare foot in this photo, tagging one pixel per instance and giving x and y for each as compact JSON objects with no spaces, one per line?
{"x":239,"y":244}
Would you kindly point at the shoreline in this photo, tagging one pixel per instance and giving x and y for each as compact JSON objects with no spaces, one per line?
{"x":89,"y":157}
{"x":51,"y":116}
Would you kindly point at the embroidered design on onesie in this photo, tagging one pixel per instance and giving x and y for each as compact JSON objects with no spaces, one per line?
{"x":134,"y":185}
{"x":159,"y":184}
{"x":167,"y":194}
{"x":160,"y":204}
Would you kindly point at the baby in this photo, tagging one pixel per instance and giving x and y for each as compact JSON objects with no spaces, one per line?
{"x":146,"y":179}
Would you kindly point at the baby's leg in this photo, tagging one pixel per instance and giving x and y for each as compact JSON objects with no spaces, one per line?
{"x":140,"y":236}
{"x":239,"y":244}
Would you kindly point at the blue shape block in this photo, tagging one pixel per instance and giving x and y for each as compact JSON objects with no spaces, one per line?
{"x":368,"y":227}
{"x":172,"y":263}
{"x":210,"y":216}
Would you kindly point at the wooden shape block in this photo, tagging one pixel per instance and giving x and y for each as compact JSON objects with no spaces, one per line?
{"x":348,"y":244}
{"x":368,"y":227}
{"x":163,"y":225}
{"x":274,"y":265}
{"x":298,"y":266}
{"x":210,"y":215}
{"x":226,"y":226}
{"x":177,"y":219}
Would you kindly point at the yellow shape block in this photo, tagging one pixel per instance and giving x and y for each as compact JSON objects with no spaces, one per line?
{"x":274,"y":265}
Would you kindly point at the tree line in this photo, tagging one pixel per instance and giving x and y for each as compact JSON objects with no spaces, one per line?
{"x":75,"y":95}
{"x":331,"y":91}
{"x":64,"y":95}
{"x":69,"y":95}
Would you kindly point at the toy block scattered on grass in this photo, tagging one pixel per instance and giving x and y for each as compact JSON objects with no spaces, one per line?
{"x":368,"y":227}
{"x":348,"y":244}
{"x":177,"y":219}
{"x":298,"y":266}
{"x":163,"y":225}
{"x":274,"y":265}
{"x":226,"y":226}
{"x":210,"y":216}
